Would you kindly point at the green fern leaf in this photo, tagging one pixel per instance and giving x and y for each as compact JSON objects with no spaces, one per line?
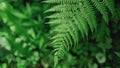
{"x":73,"y":17}
{"x":101,"y":7}
{"x":110,"y":5}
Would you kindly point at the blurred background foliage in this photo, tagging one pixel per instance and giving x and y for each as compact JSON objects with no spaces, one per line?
{"x":24,"y":38}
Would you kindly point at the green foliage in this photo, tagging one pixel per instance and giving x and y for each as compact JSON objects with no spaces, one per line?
{"x":23,"y":34}
{"x":74,"y":18}
{"x":59,"y":34}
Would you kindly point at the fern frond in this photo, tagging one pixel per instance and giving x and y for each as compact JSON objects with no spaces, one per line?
{"x":90,"y":14}
{"x":62,"y":1}
{"x":74,"y":18}
{"x":110,"y":5}
{"x":101,"y":7}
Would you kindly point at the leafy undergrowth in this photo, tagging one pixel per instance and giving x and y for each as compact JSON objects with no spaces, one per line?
{"x":59,"y":33}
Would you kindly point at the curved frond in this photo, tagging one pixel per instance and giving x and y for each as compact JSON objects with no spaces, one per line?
{"x":74,"y":18}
